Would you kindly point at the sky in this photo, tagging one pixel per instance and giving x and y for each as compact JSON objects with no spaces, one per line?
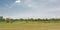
{"x":30,"y":8}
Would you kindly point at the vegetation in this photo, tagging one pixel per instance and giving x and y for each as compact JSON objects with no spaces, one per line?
{"x":9,"y":20}
{"x":29,"y":24}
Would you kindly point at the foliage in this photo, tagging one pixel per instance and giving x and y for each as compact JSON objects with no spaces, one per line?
{"x":9,"y":20}
{"x":1,"y":18}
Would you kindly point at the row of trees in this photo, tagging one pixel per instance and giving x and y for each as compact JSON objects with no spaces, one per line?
{"x":9,"y":20}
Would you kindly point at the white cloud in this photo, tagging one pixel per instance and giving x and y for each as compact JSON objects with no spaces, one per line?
{"x":18,"y":1}
{"x":42,"y":8}
{"x":29,"y":5}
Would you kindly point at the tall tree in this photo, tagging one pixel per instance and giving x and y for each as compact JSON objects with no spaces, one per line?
{"x":1,"y":18}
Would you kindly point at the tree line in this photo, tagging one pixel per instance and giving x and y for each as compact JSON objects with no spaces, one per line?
{"x":9,"y":20}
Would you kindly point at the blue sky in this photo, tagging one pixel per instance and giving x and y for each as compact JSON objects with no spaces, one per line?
{"x":30,"y":8}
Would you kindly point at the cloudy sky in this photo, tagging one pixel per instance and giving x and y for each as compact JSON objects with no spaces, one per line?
{"x":30,"y":8}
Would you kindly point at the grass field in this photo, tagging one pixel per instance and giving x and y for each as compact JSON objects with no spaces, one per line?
{"x":29,"y":26}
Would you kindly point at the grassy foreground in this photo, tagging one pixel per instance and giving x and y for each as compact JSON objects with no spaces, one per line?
{"x":29,"y":26}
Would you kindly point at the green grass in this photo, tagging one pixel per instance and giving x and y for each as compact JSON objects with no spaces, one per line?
{"x":29,"y":26}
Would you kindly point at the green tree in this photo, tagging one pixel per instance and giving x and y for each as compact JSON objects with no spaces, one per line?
{"x":1,"y":18}
{"x":8,"y":20}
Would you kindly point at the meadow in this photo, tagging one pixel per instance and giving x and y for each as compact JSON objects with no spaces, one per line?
{"x":29,"y":26}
